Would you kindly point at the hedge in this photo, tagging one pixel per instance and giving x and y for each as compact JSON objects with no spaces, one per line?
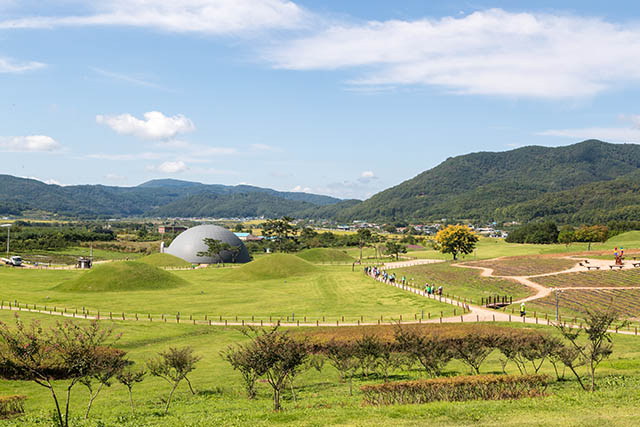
{"x":11,"y":405}
{"x":460,"y":388}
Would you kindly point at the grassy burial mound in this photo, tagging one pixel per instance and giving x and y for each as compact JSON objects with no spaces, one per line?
{"x":122,"y":276}
{"x":274,"y":266}
{"x":630,"y":239}
{"x":324,"y":255}
{"x":164,"y":260}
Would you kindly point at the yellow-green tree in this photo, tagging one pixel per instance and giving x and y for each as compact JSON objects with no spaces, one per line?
{"x":456,"y":239}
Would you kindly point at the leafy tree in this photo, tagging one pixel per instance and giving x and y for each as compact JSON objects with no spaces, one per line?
{"x":276,"y":356}
{"x":538,"y":233}
{"x":395,"y":248}
{"x":239,"y":228}
{"x":365,"y":238}
{"x":281,"y":231}
{"x":129,"y":378}
{"x":566,"y":236}
{"x":173,"y":366}
{"x":215,"y":249}
{"x":67,"y":351}
{"x":594,"y":233}
{"x":456,"y":239}
{"x":429,"y":350}
{"x":242,"y":358}
{"x":108,"y":364}
{"x":599,"y":345}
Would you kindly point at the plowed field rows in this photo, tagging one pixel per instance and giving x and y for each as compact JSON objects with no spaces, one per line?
{"x":525,"y":266}
{"x":592,"y":279}
{"x":624,"y":301}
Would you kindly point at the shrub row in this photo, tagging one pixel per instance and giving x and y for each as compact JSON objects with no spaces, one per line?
{"x":461,"y":388}
{"x":11,"y":405}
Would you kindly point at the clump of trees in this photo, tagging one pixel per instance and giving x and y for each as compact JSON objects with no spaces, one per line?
{"x":539,"y":233}
{"x":219,"y":250}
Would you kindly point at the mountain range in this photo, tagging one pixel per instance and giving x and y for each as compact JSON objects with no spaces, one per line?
{"x":591,"y":181}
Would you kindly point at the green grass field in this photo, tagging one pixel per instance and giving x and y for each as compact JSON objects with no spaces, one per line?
{"x":330,"y":291}
{"x":321,"y":398}
{"x":325,"y":256}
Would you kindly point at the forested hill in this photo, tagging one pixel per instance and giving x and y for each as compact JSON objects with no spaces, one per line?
{"x":571,"y":183}
{"x":20,"y":195}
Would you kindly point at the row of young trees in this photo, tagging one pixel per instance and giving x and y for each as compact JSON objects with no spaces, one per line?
{"x":279,"y":357}
{"x":83,"y":355}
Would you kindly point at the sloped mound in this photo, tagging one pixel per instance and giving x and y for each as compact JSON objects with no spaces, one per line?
{"x":628,"y":237}
{"x":122,"y":276}
{"x":164,"y":260}
{"x":274,"y":266}
{"x":319,"y":255}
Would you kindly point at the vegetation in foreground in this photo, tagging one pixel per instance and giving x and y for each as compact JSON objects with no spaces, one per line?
{"x":321,"y":397}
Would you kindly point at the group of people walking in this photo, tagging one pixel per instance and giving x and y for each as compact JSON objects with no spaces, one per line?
{"x":431,"y":289}
{"x":383,"y":276}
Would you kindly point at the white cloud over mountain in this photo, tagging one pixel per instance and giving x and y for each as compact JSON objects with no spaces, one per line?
{"x":155,"y":125}
{"x":30,"y":143}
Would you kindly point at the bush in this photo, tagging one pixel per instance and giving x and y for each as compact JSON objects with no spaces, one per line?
{"x":11,"y":405}
{"x":461,"y":388}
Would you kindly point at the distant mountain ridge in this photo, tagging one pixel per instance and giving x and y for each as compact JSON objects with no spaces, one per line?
{"x":588,"y":182}
{"x":20,"y":195}
{"x":511,"y":185}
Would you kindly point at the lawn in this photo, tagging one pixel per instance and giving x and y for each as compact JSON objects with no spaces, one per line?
{"x":329,"y":291}
{"x":463,"y":282}
{"x":525,"y":265}
{"x":321,"y":398}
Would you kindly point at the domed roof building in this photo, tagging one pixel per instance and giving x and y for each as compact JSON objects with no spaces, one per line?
{"x":190,"y":242}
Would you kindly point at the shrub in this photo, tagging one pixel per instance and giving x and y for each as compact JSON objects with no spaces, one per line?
{"x":461,"y":388}
{"x":11,"y":405}
{"x":173,"y":366}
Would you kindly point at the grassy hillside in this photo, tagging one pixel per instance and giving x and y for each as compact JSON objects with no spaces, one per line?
{"x":164,"y":260}
{"x":122,"y":276}
{"x":273,"y":266}
{"x":324,"y":255}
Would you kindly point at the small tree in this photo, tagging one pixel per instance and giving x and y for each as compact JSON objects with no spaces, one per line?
{"x":173,"y":366}
{"x":109,"y":363}
{"x":365,"y":238}
{"x":281,"y":231}
{"x":66,"y":351}
{"x":599,"y":345}
{"x":368,"y":350}
{"x":395,"y":248}
{"x":472,"y":349}
{"x":456,"y":239}
{"x":342,"y":356}
{"x":429,"y":350}
{"x":214,"y":249}
{"x":276,"y":356}
{"x":129,"y":378}
{"x":241,"y":358}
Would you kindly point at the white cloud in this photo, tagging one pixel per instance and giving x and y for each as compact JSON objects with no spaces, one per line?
{"x":154,"y":126}
{"x":491,"y":52}
{"x":8,"y":65}
{"x":195,"y":16}
{"x":30,"y":143}
{"x":172,"y":167}
{"x":125,"y":157}
{"x":301,"y":189}
{"x":262,"y":147}
{"x":367,"y":176}
{"x":610,"y":134}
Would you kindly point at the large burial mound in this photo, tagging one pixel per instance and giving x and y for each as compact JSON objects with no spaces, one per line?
{"x":274,"y":266}
{"x":122,"y":276}
{"x":320,"y":255}
{"x":164,"y":260}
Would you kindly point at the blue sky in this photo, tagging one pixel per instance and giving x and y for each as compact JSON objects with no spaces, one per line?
{"x":332,"y":97}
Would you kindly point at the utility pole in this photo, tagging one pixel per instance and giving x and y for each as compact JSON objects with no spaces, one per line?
{"x":556,"y":292}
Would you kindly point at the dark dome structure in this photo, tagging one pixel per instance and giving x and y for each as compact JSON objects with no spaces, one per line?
{"x":190,"y":242}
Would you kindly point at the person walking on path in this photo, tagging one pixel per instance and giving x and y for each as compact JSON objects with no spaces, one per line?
{"x":522,"y":310}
